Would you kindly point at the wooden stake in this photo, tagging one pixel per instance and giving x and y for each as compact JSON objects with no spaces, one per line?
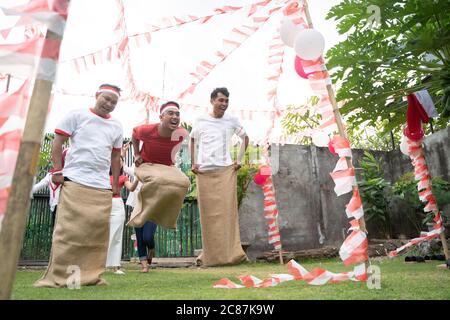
{"x":13,"y":226}
{"x":281,"y":256}
{"x":444,"y":245}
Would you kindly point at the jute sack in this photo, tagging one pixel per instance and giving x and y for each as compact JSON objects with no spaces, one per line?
{"x":80,"y":237}
{"x":161,"y":196}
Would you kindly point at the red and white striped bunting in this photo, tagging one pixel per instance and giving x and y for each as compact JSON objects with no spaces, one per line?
{"x":317,"y":277}
{"x":275,"y":62}
{"x":414,"y":150}
{"x":13,"y":110}
{"x":52,"y":13}
{"x":21,"y":59}
{"x":271,"y":213}
{"x":229,"y":44}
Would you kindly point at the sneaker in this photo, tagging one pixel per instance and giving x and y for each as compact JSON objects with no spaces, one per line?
{"x":119,"y":272}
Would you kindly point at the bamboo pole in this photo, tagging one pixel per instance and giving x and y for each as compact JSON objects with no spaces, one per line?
{"x":13,"y":226}
{"x":337,"y":115}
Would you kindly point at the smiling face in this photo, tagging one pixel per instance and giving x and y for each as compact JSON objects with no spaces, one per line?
{"x":106,"y":103}
{"x":170,"y":119}
{"x":220,"y":105}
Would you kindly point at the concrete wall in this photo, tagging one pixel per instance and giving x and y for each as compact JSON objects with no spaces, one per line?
{"x":310,"y":213}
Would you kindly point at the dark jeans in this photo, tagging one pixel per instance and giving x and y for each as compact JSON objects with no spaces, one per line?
{"x":145,"y":237}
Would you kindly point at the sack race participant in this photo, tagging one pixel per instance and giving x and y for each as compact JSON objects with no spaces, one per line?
{"x":163,"y":185}
{"x":217,"y":182}
{"x":80,"y":237}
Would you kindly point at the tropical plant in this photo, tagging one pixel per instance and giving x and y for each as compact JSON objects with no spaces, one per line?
{"x":376,"y":66}
{"x":375,"y":193}
{"x":405,"y":188}
{"x":300,"y":120}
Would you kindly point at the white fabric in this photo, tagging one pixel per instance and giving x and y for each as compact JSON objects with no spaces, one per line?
{"x":427,"y":103}
{"x":131,"y":200}
{"x":110,"y":91}
{"x":213,"y":139}
{"x":54,"y":193}
{"x":92,"y":139}
{"x":116,"y":223}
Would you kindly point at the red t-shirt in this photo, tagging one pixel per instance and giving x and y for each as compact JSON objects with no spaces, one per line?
{"x":157,"y":149}
{"x":122,"y":180}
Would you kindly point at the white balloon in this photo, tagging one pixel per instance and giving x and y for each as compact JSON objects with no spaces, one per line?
{"x":320,"y":138}
{"x":288,"y":31}
{"x":309,"y":44}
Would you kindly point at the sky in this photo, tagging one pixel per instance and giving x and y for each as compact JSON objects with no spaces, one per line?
{"x":162,"y":66}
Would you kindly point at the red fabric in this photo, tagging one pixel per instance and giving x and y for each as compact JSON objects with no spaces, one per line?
{"x":122,"y":180}
{"x":157,"y":149}
{"x":63,"y":133}
{"x":415,"y":115}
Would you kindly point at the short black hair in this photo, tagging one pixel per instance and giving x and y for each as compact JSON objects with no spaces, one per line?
{"x":110,"y":85}
{"x":222,"y":90}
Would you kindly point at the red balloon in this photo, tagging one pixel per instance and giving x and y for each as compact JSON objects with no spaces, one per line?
{"x":331,"y":148}
{"x":299,"y":68}
{"x":259,"y":179}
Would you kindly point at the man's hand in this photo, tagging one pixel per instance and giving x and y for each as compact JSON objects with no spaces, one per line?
{"x":194,"y":168}
{"x":125,"y":148}
{"x":138,"y":160}
{"x":237,"y":166}
{"x":58,"y":179}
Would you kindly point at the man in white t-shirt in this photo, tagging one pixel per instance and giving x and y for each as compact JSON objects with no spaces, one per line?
{"x":211,"y":144}
{"x":81,"y":234}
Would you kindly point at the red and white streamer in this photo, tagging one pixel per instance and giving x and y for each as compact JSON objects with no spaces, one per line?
{"x":275,"y":62}
{"x":317,"y":277}
{"x":271,"y":213}
{"x":13,"y":110}
{"x":21,"y":59}
{"x":115,"y":50}
{"x":52,"y":13}
{"x":237,"y":36}
{"x":354,"y":248}
{"x":414,"y":150}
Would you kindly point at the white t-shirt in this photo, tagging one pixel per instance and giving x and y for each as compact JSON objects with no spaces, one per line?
{"x":213,"y":138}
{"x":92,"y":139}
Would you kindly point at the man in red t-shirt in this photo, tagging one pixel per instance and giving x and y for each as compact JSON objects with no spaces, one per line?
{"x":161,"y":141}
{"x":163,"y":186}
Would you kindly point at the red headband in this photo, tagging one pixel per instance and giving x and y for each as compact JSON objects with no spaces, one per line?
{"x":109,"y":89}
{"x":168,"y":105}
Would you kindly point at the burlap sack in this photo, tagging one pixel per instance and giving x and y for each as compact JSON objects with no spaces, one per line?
{"x":217,"y":198}
{"x":161,"y":196}
{"x":80,"y":237}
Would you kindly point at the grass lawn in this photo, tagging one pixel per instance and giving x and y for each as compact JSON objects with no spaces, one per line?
{"x":398,"y":281}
